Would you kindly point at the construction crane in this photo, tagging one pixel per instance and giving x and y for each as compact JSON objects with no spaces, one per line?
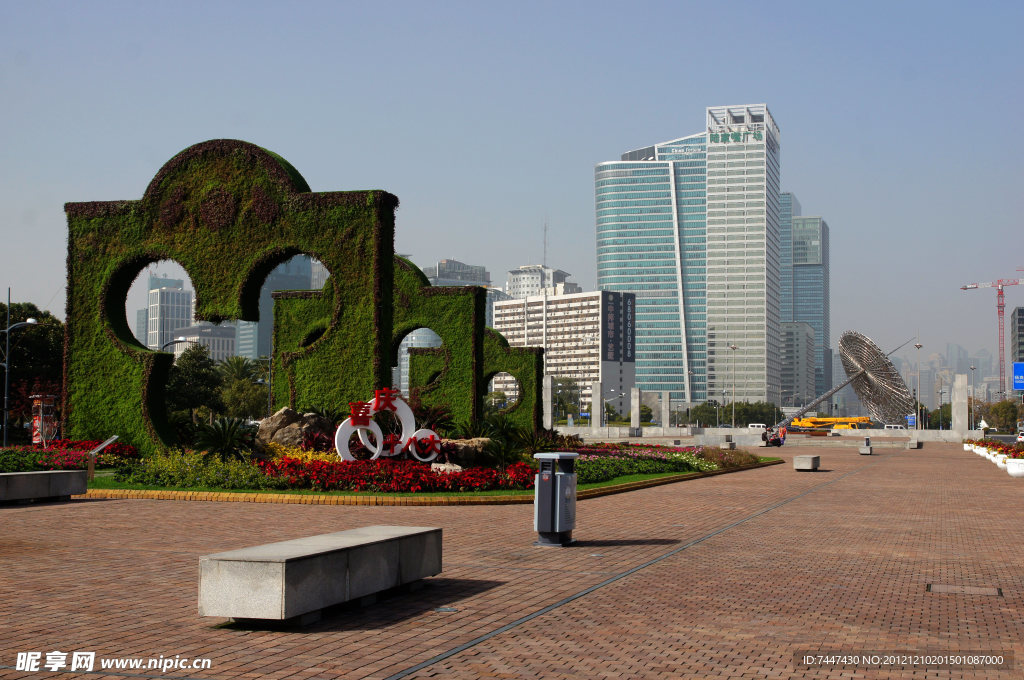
{"x":1000,"y":306}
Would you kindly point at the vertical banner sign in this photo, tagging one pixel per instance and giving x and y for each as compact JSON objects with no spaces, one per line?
{"x":1018,"y":375}
{"x":628,"y":333}
{"x":610,"y":324}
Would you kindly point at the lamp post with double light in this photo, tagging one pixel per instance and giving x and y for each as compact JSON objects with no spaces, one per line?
{"x":917,"y":406}
{"x":6,"y":363}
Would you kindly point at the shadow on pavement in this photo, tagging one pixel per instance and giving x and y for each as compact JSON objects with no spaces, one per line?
{"x":439,"y":595}
{"x":625,"y":541}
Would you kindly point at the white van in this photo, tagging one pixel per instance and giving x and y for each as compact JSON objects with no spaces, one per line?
{"x":757,"y":426}
{"x":895,"y":427}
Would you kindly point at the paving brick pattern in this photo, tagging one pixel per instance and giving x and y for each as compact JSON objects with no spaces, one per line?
{"x":726,"y":576}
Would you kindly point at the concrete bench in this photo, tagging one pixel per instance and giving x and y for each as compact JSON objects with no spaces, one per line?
{"x":914,"y":444}
{"x":806,"y":462}
{"x":867,"y":448}
{"x":51,"y":485}
{"x":300,"y":577}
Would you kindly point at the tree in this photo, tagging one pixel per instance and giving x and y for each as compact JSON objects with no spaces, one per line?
{"x":941,"y":418}
{"x":495,"y":402}
{"x":1004,"y":415}
{"x":36,"y":360}
{"x":565,"y":395}
{"x":37,"y":351}
{"x":240,"y":368}
{"x":705,"y":413}
{"x":244,"y":399}
{"x":194,"y":382}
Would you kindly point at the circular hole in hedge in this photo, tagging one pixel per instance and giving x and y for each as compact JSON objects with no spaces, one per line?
{"x":416,"y":338}
{"x":300,"y":272}
{"x":502,"y":393}
{"x":159,"y":303}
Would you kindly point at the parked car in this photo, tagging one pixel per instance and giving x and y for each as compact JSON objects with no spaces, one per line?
{"x":1020,"y":437}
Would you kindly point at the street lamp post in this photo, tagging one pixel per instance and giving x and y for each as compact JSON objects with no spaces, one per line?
{"x":734,"y":348}
{"x":176,"y":341}
{"x":974,"y":398}
{"x":917,"y":406}
{"x":6,"y":363}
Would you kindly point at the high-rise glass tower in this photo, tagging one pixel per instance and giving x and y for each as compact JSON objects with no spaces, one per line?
{"x":651,"y":241}
{"x":788,"y":208}
{"x":692,"y":227}
{"x":811,"y":291}
{"x":744,"y":337}
{"x":256,"y":337}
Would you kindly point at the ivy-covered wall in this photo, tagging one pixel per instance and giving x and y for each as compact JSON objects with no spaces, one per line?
{"x":229,"y":212}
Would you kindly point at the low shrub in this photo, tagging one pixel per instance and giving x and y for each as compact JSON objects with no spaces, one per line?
{"x":19,"y":459}
{"x":195,"y":469}
{"x":31,"y":458}
{"x":726,"y":459}
{"x":601,"y":463}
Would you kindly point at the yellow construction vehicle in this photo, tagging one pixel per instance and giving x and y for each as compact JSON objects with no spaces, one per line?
{"x":853,"y":423}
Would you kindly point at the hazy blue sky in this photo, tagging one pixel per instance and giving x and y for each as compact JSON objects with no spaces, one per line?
{"x":898,"y":125}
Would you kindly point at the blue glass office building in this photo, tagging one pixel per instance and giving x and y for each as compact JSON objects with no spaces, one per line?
{"x":652,"y":241}
{"x":811,"y":291}
{"x":789,"y":208}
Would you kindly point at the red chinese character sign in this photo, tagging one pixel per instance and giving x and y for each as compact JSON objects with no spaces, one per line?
{"x":422,"y":444}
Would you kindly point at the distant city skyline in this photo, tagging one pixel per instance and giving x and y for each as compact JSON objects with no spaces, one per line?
{"x":487,"y":121}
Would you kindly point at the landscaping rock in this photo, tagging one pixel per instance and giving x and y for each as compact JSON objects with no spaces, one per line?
{"x":445,"y":467}
{"x":283,"y":418}
{"x":288,"y":428}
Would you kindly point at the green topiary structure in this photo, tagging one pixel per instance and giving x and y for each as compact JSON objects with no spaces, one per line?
{"x":229,"y":212}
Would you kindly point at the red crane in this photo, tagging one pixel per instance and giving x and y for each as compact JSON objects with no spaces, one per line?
{"x":1000,"y":306}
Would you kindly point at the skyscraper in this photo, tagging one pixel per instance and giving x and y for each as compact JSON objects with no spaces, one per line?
{"x":651,"y":241}
{"x":1016,"y":338}
{"x":811,"y":291}
{"x":142,"y":315}
{"x":169,"y":310}
{"x":692,"y":227}
{"x":789,"y":208}
{"x":254,"y":337}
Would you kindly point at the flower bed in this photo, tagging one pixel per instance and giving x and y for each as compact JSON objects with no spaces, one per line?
{"x":324,"y":471}
{"x":1010,"y":450}
{"x":389,"y":475}
{"x":61,"y":454}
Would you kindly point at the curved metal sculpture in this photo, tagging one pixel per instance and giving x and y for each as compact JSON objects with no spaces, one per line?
{"x":875,"y":380}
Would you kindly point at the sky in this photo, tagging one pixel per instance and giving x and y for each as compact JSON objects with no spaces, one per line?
{"x":487,"y":119}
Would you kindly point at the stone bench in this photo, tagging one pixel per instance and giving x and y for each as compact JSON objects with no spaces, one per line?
{"x":914,"y":444}
{"x":806,"y":462}
{"x":51,"y":485}
{"x":298,"y":578}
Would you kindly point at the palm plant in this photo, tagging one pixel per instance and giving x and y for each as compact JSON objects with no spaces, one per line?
{"x":227,"y":437}
{"x":239,"y":368}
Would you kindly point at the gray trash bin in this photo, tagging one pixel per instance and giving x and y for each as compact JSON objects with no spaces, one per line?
{"x":554,"y":500}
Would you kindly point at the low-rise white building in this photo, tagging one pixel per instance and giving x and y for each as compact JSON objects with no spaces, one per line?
{"x":218,"y":339}
{"x":587,"y":337}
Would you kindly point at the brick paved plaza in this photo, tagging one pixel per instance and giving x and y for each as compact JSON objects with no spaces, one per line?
{"x":721,"y":577}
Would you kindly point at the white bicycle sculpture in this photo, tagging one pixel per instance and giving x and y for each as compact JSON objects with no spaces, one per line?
{"x":361,"y":421}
